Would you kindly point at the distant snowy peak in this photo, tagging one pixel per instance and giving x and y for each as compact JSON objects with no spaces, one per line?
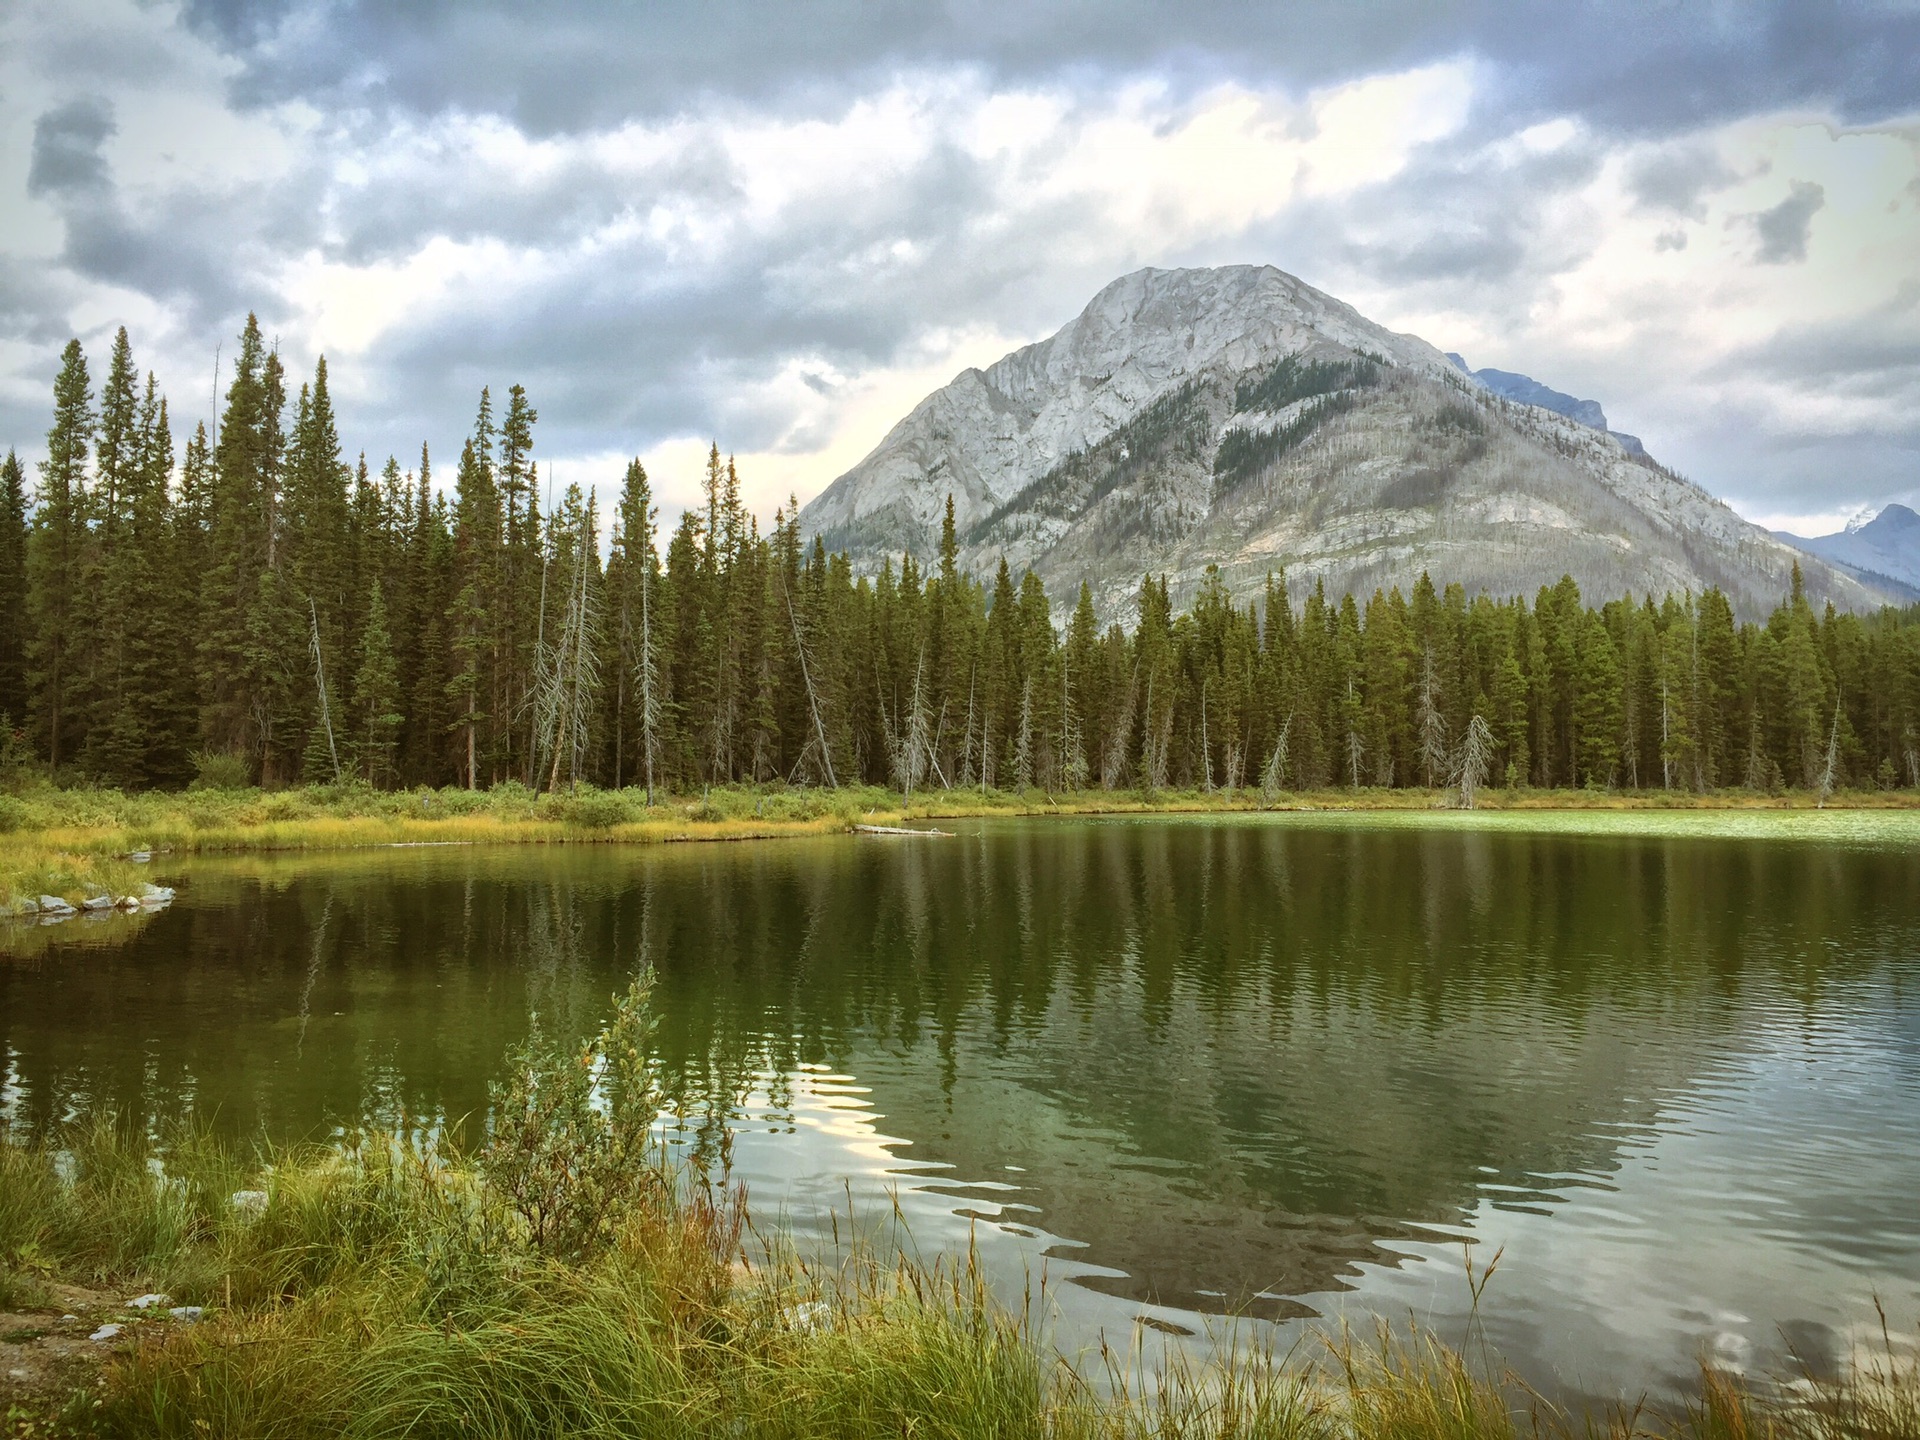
{"x":1886,"y":546}
{"x":1529,"y":391}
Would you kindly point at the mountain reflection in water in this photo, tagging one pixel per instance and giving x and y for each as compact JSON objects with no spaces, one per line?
{"x":1225,"y":1064}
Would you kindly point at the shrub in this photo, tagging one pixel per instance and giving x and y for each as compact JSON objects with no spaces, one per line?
{"x":220,"y":770}
{"x":593,"y":809}
{"x":572,"y":1144}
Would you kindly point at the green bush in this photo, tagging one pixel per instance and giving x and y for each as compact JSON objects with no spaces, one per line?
{"x":593,"y":809}
{"x":220,"y":770}
{"x":572,"y":1146}
{"x":13,"y":814}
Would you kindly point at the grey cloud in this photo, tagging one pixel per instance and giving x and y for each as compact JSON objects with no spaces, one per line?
{"x":1785,"y":229}
{"x":67,"y":141}
{"x":1678,"y":179}
{"x":1458,"y":227}
{"x":1876,"y":355}
{"x":1628,"y":65}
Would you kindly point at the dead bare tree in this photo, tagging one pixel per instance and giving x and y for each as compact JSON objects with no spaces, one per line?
{"x":568,"y":670}
{"x":1113,"y":763}
{"x":1356,"y":747}
{"x":646,"y":674}
{"x":1435,"y":753}
{"x":1206,"y":752}
{"x":1274,"y":773}
{"x":1073,"y":767}
{"x":1833,"y":757}
{"x":1023,"y":745}
{"x":320,"y":680}
{"x":1666,"y":736}
{"x":813,"y":696}
{"x":1475,"y":761}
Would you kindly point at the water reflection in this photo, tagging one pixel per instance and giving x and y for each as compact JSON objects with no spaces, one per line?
{"x":1238,"y":1065}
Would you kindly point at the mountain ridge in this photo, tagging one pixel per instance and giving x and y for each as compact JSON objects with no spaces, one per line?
{"x":1239,"y":418}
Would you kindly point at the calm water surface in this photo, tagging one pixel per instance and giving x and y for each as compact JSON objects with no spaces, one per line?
{"x":1272,"y":1066}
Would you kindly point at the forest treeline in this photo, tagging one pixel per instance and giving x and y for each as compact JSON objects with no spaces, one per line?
{"x":253,"y":608}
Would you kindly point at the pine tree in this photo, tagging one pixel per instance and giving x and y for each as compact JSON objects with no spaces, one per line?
{"x":517,"y":609}
{"x":1597,"y":705}
{"x":634,"y":577}
{"x":56,"y":548}
{"x":253,"y":646}
{"x":376,"y":696}
{"x":116,"y":742}
{"x":13,"y":593}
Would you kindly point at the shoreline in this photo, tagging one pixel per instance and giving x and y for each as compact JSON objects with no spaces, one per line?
{"x":71,"y":845}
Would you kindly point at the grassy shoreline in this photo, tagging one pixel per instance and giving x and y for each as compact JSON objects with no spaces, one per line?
{"x":75,"y":843}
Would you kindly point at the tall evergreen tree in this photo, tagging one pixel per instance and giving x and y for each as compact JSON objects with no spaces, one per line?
{"x":13,"y":592}
{"x":376,"y":696}
{"x":56,"y":555}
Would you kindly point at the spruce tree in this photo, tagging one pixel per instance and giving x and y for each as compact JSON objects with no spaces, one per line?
{"x":254,"y":638}
{"x":376,"y":696}
{"x":13,"y":592}
{"x":115,"y":572}
{"x":56,"y":552}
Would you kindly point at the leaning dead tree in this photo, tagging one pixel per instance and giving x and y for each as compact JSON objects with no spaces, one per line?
{"x":1833,"y":758}
{"x":1273,"y":774}
{"x":1475,"y":762}
{"x":819,"y":741}
{"x":320,"y":681}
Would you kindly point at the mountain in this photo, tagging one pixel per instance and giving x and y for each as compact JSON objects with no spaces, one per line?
{"x":1886,"y":547}
{"x":1238,"y":417}
{"x":1529,"y":391}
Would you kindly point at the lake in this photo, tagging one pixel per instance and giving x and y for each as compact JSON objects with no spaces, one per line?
{"x":1288,"y":1068}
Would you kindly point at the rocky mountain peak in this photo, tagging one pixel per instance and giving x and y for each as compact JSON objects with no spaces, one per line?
{"x":1239,"y":418}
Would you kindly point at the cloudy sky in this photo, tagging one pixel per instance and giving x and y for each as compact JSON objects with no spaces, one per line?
{"x":780,"y":225}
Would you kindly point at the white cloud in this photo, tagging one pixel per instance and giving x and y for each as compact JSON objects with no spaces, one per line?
{"x":795,"y":280}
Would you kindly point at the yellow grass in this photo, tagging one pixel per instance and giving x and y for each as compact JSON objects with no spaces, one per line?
{"x":72,"y":843}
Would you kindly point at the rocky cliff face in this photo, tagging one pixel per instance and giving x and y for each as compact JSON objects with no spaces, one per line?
{"x":1238,"y":417}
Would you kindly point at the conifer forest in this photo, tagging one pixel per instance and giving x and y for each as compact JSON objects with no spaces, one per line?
{"x":250,"y":606}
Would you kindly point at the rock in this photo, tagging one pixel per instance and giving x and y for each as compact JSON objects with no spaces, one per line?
{"x":54,"y":905}
{"x":97,"y":902}
{"x":187,"y":1313}
{"x":106,"y":1333}
{"x":127,"y":902}
{"x":156,"y":895}
{"x":149,"y":1301}
{"x":140,"y":857}
{"x":251,"y":1203}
